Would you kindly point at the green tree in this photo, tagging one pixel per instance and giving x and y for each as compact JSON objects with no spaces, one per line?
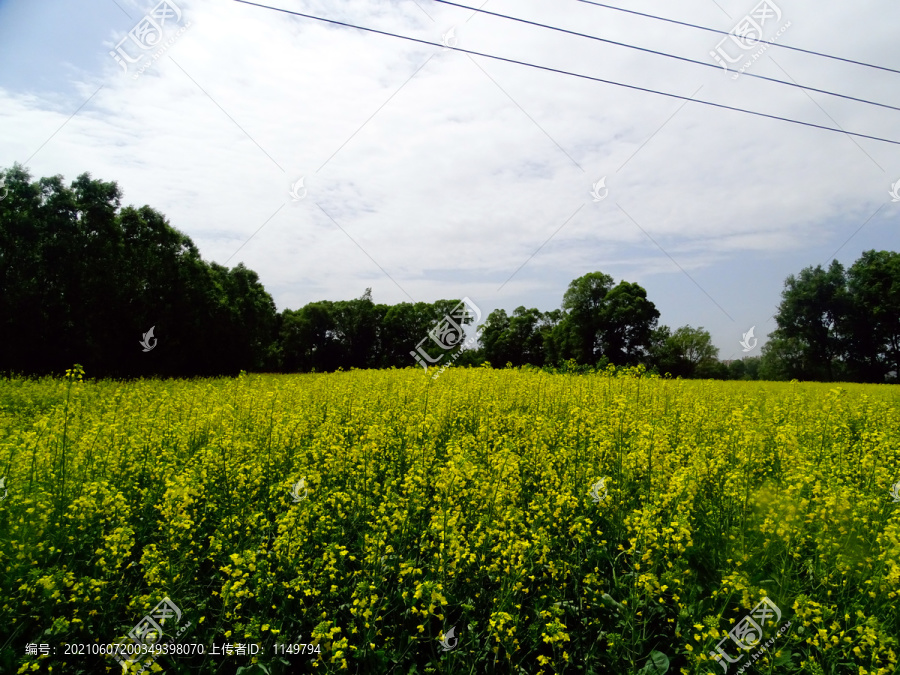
{"x":809,"y":316}
{"x":402,"y":326}
{"x":660,"y":355}
{"x":580,"y":329}
{"x":356,"y":330}
{"x":309,"y":339}
{"x":34,"y":217}
{"x":782,"y":359}
{"x":871,"y":323}
{"x":518,"y":339}
{"x":694,"y":345}
{"x":81,"y":279}
{"x":169,"y":287}
{"x":627,"y":320}
{"x":600,"y":320}
{"x":551,"y":338}
{"x":526,"y":339}
{"x":746,"y":368}
{"x":494,"y":338}
{"x":250,"y":313}
{"x":688,"y":352}
{"x":442,"y":340}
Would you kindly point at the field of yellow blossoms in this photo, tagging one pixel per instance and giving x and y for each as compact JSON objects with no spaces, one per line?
{"x":487,"y":521}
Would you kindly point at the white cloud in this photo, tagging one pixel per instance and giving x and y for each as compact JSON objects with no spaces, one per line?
{"x":463,"y":174}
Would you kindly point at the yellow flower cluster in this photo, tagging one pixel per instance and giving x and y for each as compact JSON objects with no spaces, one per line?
{"x":552,"y":521}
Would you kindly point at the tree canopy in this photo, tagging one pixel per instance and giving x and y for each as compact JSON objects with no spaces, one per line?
{"x":839,"y":324}
{"x":82,"y":279}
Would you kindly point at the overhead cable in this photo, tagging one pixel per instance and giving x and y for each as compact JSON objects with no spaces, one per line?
{"x":666,"y":54}
{"x":569,"y":73}
{"x":725,"y":32}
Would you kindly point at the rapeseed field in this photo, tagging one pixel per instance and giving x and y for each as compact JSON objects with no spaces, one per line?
{"x":487,"y":521}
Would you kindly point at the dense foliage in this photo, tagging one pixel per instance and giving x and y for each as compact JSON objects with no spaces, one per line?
{"x":371,"y":513}
{"x":839,"y":324}
{"x":82,"y":279}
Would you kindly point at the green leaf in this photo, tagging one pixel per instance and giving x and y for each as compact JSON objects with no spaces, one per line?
{"x":657,"y":664}
{"x":252,"y":669}
{"x":784,"y":659}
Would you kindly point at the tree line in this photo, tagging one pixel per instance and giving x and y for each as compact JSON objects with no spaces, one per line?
{"x":83,"y":279}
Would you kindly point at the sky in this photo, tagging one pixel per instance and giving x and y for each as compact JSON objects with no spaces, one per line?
{"x":330,"y":159}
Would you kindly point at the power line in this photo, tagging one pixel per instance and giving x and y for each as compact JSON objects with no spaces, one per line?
{"x":723,"y":32}
{"x":665,"y":54}
{"x":566,"y":72}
